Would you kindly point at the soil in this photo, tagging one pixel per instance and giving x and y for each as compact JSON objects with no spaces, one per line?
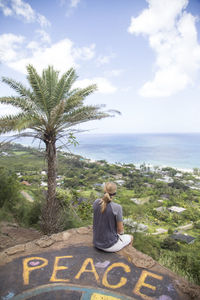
{"x":12,"y":234}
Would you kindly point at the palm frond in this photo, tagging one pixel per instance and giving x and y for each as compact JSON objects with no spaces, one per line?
{"x":39,"y":89}
{"x":14,"y":123}
{"x":76,"y":99}
{"x":50,"y":80}
{"x":81,"y":115}
{"x":23,"y":103}
{"x":18,"y":87}
{"x":64,"y":85}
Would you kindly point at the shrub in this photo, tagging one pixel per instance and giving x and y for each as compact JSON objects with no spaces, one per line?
{"x":170,"y":231}
{"x":170,"y":244}
{"x":9,"y":190}
{"x":197,"y":224}
{"x":147,"y":244}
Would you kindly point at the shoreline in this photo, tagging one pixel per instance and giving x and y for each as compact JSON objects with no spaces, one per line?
{"x":151,"y":166}
{"x":36,"y":145}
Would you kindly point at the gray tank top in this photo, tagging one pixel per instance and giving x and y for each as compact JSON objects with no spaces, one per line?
{"x":105,"y":224}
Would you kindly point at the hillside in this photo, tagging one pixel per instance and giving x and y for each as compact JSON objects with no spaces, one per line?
{"x":161,"y":206}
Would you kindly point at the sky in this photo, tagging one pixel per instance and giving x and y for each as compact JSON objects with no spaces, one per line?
{"x":144,"y":56}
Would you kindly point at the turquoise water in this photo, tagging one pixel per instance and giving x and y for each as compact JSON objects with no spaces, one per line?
{"x":175,"y":150}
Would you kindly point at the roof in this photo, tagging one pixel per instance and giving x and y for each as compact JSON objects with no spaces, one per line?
{"x":25,"y":182}
{"x":160,"y":209}
{"x":177,"y":209}
{"x":183,"y":237}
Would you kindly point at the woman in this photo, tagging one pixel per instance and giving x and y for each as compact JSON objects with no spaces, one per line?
{"x":108,"y":230}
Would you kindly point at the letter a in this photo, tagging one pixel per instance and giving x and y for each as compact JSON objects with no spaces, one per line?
{"x":92,"y":270}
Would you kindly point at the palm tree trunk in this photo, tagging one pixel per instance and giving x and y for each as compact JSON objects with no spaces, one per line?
{"x":51,"y":210}
{"x":51,"y":172}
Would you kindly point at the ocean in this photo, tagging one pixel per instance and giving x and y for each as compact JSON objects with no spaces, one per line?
{"x":174,"y":150}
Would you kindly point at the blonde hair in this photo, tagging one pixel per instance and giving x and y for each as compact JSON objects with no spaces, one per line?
{"x":110,"y":189}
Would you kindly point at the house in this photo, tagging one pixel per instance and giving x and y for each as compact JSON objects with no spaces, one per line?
{"x":183,"y":238}
{"x":160,"y":209}
{"x":186,"y":227}
{"x":120,"y":182}
{"x":25,"y":183}
{"x":176,"y":209}
{"x":43,"y":183}
{"x":178,"y":175}
{"x":43,"y":173}
{"x":190,"y":181}
{"x":165,"y":196}
{"x":92,"y":161}
{"x":194,"y":188}
{"x":135,"y":227}
{"x":5,"y":154}
{"x":165,"y":179}
{"x":148,"y":184}
{"x":98,"y":184}
{"x":160,"y":200}
{"x":118,"y":176}
{"x":135,"y":200}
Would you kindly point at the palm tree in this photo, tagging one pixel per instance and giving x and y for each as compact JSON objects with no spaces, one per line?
{"x":50,"y":108}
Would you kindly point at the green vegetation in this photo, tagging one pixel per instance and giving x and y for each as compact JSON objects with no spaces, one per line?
{"x":145,"y":195}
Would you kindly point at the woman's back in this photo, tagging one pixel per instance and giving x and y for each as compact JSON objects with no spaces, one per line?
{"x":105,"y":224}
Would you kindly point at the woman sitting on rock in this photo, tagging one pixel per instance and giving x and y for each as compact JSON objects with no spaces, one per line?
{"x":108,"y":230}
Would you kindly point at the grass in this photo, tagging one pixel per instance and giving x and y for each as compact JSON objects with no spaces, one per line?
{"x":20,"y":153}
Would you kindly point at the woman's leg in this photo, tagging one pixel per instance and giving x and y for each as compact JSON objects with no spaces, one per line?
{"x":123,"y":241}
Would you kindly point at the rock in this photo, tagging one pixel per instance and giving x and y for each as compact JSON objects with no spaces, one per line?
{"x":44,"y":242}
{"x":138,"y":258}
{"x":30,"y":246}
{"x":13,"y":225}
{"x":57,"y":237}
{"x":15,"y":249}
{"x":72,"y":231}
{"x":83,"y":230}
{"x":192,"y":290}
{"x":3,"y":257}
{"x":66,"y":235}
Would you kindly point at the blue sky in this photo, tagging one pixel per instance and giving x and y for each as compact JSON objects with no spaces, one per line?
{"x":144,"y":56}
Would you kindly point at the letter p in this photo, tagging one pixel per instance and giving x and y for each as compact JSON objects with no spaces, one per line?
{"x":29,"y":267}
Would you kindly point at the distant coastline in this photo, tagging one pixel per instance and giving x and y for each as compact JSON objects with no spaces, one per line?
{"x":177,"y":150}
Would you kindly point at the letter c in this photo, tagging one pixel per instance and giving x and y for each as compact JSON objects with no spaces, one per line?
{"x":122,"y":281}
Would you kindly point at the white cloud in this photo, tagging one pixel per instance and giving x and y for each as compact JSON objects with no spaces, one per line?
{"x":84,"y":53}
{"x":23,"y":10}
{"x":42,"y":40}
{"x":62,"y":55}
{"x":71,"y":6}
{"x":104,"y":59}
{"x":114,"y":73}
{"x":43,"y":36}
{"x":104,"y":86}
{"x":74,"y":3}
{"x":6,"y":10}
{"x":42,"y":20}
{"x":9,"y":45}
{"x":59,"y":55}
{"x":172,"y":35}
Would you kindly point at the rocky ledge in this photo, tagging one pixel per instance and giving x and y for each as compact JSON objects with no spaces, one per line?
{"x":136,"y":276}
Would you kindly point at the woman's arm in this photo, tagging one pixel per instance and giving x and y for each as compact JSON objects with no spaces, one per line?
{"x":120,"y":228}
